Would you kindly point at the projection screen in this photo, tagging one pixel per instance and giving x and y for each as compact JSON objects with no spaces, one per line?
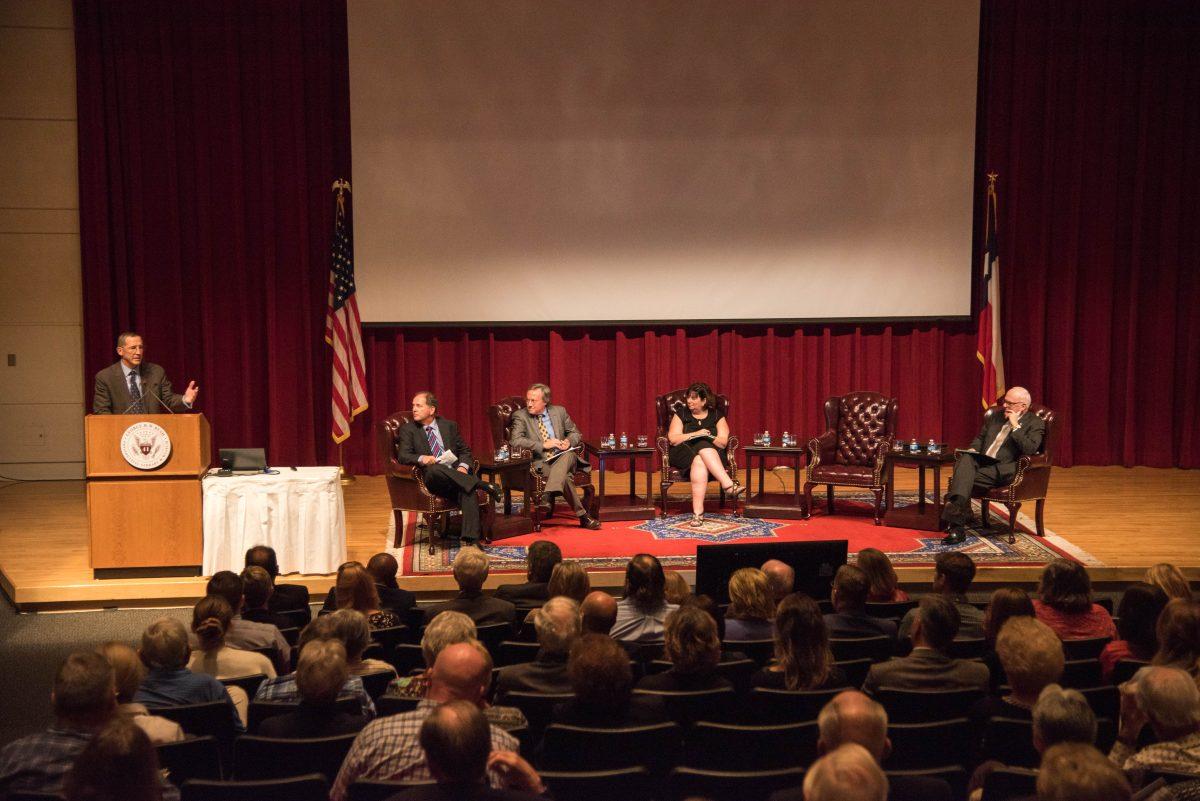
{"x":646,"y":160}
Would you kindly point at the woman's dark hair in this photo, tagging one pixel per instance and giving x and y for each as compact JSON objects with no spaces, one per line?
{"x":211,"y":617}
{"x":1006,"y":602}
{"x":881,"y":576}
{"x":705,"y":603}
{"x":703,"y":392}
{"x":802,"y":643}
{"x":691,"y":641}
{"x":118,"y":764}
{"x":1137,"y":621}
{"x":355,"y":589}
{"x":1066,"y":586}
{"x":600,"y":673}
{"x":1179,"y":636}
{"x":645,"y":584}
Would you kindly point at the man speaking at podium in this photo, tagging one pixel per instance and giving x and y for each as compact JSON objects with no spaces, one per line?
{"x":132,"y":386}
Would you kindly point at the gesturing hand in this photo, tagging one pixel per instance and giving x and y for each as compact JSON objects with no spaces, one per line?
{"x":189,"y":394}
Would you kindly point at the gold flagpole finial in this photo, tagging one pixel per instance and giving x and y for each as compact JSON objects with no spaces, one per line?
{"x":991,"y":176}
{"x":341,"y":186}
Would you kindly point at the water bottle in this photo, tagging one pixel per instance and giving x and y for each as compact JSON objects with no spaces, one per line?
{"x":624,"y":440}
{"x":914,"y":447}
{"x":503,"y":454}
{"x":787,"y":440}
{"x":611,"y":442}
{"x":932,"y":447}
{"x":767,"y":438}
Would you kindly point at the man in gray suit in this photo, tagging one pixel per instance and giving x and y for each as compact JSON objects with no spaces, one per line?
{"x":547,"y":430}
{"x":132,"y":386}
{"x":928,"y":667}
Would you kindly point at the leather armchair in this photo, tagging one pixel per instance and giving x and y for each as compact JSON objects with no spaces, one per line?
{"x":668,"y":405}
{"x":406,"y":486}
{"x":853,"y":450}
{"x":500,"y":417}
{"x":1032,"y":478}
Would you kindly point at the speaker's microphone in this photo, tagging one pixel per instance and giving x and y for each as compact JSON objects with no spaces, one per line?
{"x":154,"y":393}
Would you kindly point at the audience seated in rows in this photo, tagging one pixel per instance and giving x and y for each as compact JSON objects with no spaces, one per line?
{"x":447,"y":628}
{"x":1178,"y":633}
{"x":1137,"y":620}
{"x":1005,"y":603}
{"x":803,"y":660}
{"x":883,"y":584}
{"x":118,"y":764}
{"x":383,"y":568}
{"x":390,"y":748}
{"x":557,"y":624}
{"x":283,"y":597}
{"x":355,"y":589}
{"x":168,"y":682}
{"x":541,"y":558}
{"x":675,"y":587}
{"x":1065,"y":603}
{"x":1166,"y":699}
{"x":247,"y":635}
{"x":570,"y":579}
{"x":210,"y":620}
{"x":283,"y":689}
{"x":354,"y":632}
{"x":470,"y":572}
{"x":597,"y":613}
{"x":128,"y":672}
{"x":1032,"y":658}
{"x":602,"y":681}
{"x":643,"y":611}
{"x":751,"y":606}
{"x":849,"y":598}
{"x":706,"y":603}
{"x":320,"y":676}
{"x":694,"y":651}
{"x":1170,"y":580}
{"x":1078,"y":772}
{"x":782,"y":577}
{"x":953,"y":573}
{"x":928,"y":667}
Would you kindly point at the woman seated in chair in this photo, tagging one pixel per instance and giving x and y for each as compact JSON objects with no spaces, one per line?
{"x":210,"y":620}
{"x":352,"y":629}
{"x":1137,"y":617}
{"x":803,"y":660}
{"x":1066,"y":603}
{"x":694,"y":652}
{"x":698,"y":438}
{"x":355,"y":589}
{"x":751,"y":606}
{"x":881,"y":576}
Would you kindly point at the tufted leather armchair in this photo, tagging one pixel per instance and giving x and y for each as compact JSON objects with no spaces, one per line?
{"x":1031,"y":481}
{"x":500,"y":417}
{"x":853,"y":450}
{"x":672,"y":403}
{"x":406,"y":486}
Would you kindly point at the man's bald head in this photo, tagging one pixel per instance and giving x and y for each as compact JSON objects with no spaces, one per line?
{"x":598,"y":612}
{"x":782,"y":577}
{"x":1019,"y":395}
{"x":852,"y":717}
{"x":462,"y":672}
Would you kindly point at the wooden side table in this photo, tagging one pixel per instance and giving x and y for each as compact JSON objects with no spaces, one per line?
{"x":922,"y":515}
{"x":773,"y":504}
{"x":511,"y":474}
{"x":618,"y":507}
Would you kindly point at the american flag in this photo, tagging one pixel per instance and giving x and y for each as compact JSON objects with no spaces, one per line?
{"x":343,"y":328}
{"x":987,"y":342}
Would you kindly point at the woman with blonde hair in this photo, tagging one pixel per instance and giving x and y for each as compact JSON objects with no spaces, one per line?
{"x":751,"y":606}
{"x":803,"y":660}
{"x":694,"y":652}
{"x":1170,"y":580}
{"x":128,"y":672}
{"x":676,"y":587}
{"x":881,"y":577}
{"x":355,"y":589}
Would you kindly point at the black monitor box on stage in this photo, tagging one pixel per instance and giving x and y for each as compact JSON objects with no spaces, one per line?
{"x":814,"y":563}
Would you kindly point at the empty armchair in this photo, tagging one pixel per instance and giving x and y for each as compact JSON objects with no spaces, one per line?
{"x":853,"y":450}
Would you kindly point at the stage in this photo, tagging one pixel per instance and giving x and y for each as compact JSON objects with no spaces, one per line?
{"x":1122,"y":519}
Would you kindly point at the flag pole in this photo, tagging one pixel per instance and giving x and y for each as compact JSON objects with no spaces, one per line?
{"x":344,"y":475}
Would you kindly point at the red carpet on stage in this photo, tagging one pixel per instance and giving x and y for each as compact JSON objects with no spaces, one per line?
{"x":674,"y":542}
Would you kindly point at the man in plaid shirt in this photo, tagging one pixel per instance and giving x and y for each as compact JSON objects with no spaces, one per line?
{"x":1167,"y":699}
{"x":390,"y":748}
{"x":283,"y":690}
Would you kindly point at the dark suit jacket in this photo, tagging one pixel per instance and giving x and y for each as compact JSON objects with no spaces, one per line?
{"x":311,"y":721}
{"x":544,"y":675}
{"x":289,"y":598}
{"x":265,"y":616}
{"x":900,"y":788}
{"x":643,"y":710}
{"x":483,"y":609}
{"x":393,"y":598}
{"x":478,"y":792}
{"x":111,"y":394}
{"x":414,"y":444}
{"x":527,"y":594}
{"x":860,"y":624}
{"x":926,"y":669}
{"x":525,"y":434}
{"x":1024,"y":441}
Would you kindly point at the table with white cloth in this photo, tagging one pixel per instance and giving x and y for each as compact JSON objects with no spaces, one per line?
{"x":297,"y":512}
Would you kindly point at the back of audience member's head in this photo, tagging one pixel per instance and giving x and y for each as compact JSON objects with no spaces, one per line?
{"x":1170,"y":580}
{"x":954,"y":572}
{"x":782,"y":577}
{"x":1062,"y":716}
{"x":598,"y":612}
{"x":446,"y":628}
{"x":1078,"y":772}
{"x":128,"y":670}
{"x":936,"y":623}
{"x":1178,"y":632}
{"x":852,"y":717}
{"x":355,"y":589}
{"x":228,"y":585}
{"x":557,"y":624}
{"x":1171,"y":701}
{"x":263,"y":556}
{"x":351,"y":629}
{"x":321,"y":671}
{"x":645,"y":584}
{"x":541,"y":558}
{"x":256,"y":587}
{"x":750,"y":595}
{"x":706,"y":603}
{"x":1066,"y":586}
{"x":691,"y":642}
{"x":320,"y":628}
{"x":471,"y":569}
{"x":383,"y":568}
{"x":1137,"y":618}
{"x":1032,"y":655}
{"x":848,"y":773}
{"x":849,"y":592}
{"x":1005,"y":603}
{"x":599,"y":671}
{"x":457,"y":742}
{"x":118,"y":764}
{"x":882,"y":581}
{"x":802,"y":643}
{"x":569,"y":578}
{"x":211,"y":617}
{"x":675,"y":587}
{"x":85,"y":690}
{"x":462,"y":672}
{"x":165,"y":645}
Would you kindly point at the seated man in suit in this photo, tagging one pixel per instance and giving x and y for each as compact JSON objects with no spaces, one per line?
{"x":284,"y":597}
{"x":257,"y":591}
{"x":547,"y":430}
{"x":132,"y":386}
{"x":470,"y":572}
{"x":427,"y":438}
{"x":953,"y":573}
{"x":541,"y":557}
{"x":849,"y":598}
{"x":557,"y":624}
{"x":928,"y":667}
{"x":993,"y":462}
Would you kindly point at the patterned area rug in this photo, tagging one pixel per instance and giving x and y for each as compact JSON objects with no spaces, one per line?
{"x":674,"y":542}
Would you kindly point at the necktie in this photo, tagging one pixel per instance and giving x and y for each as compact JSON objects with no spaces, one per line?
{"x":998,"y":441}
{"x":435,"y":444}
{"x":542,"y":428}
{"x":136,"y":394}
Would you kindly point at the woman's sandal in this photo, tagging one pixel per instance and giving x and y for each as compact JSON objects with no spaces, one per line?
{"x":735,"y":489}
{"x":697,"y":521}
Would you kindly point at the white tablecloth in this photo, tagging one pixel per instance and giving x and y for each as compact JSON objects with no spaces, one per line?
{"x":298,"y":513}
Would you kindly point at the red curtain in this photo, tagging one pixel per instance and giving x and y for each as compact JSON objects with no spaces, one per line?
{"x":210,"y":134}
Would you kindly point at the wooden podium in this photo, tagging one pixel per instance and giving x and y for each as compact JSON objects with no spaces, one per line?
{"x":145,"y":520}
